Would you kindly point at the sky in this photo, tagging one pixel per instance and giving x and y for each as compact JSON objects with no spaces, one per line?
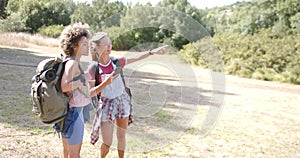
{"x":200,"y":4}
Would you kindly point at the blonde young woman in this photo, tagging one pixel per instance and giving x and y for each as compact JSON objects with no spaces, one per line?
{"x":114,"y":104}
{"x":75,"y":44}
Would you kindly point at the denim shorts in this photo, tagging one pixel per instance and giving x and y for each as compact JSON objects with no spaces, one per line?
{"x":78,"y":129}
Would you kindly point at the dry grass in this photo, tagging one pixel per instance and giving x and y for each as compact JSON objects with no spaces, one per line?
{"x":259,"y":119}
{"x":25,"y":40}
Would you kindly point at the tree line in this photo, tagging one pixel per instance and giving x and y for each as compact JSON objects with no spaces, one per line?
{"x":256,"y":39}
{"x":49,"y":18}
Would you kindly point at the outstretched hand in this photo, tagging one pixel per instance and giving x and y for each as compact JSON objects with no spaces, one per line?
{"x":160,"y":50}
{"x":145,"y":54}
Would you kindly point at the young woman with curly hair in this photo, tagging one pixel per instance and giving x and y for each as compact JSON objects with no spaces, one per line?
{"x":75,"y":44}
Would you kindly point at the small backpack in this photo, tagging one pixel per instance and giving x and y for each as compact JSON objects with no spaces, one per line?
{"x":50,"y":104}
{"x":95,"y":69}
{"x":95,"y":99}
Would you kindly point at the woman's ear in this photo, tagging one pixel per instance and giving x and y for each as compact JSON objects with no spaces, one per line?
{"x":75,"y":47}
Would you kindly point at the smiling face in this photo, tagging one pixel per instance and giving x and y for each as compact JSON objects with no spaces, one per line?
{"x":104,"y":47}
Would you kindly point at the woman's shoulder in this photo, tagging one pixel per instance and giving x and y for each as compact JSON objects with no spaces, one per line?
{"x":92,"y":65}
{"x":119,"y":60}
{"x":71,"y":63}
{"x":115,"y":58}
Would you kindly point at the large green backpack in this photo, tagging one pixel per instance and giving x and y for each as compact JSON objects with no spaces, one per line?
{"x":50,"y":104}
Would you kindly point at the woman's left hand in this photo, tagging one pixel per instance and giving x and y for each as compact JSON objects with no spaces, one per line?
{"x":160,"y":50}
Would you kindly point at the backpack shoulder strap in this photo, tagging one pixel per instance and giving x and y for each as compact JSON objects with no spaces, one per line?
{"x":79,"y":65}
{"x":115,"y":61}
{"x":95,"y":69}
{"x":61,"y":70}
{"x":118,"y":64}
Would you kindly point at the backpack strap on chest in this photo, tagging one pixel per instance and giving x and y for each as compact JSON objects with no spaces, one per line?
{"x":95,"y":69}
{"x":116,"y":61}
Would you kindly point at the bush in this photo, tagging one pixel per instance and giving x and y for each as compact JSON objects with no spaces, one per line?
{"x":13,"y":23}
{"x":267,"y":74}
{"x":263,"y":55}
{"x":203,"y":53}
{"x":51,"y":31}
{"x":121,"y":40}
{"x":295,"y":23}
{"x":191,"y":55}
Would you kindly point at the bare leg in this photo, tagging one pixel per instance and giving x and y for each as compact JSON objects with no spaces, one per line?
{"x":107,"y":129}
{"x":74,"y":150}
{"x":65,"y":148}
{"x":121,"y":133}
{"x":104,"y":150}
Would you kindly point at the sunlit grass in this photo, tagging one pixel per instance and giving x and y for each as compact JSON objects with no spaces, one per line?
{"x":25,"y":40}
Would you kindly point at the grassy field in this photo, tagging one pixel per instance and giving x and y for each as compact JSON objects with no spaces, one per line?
{"x":155,"y":126}
{"x":259,"y":119}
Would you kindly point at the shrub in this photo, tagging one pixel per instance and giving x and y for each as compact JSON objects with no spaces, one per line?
{"x":51,"y":31}
{"x":13,"y":23}
{"x":263,"y":55}
{"x":267,"y":74}
{"x":121,"y":40}
{"x":203,"y":53}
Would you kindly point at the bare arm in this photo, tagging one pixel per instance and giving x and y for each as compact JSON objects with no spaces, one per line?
{"x":94,"y":90}
{"x":139,"y":56}
{"x":143,"y":55}
{"x":71,"y":71}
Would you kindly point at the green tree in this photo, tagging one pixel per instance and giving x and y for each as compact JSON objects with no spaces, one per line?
{"x":14,"y":20}
{"x":184,"y":9}
{"x":100,"y":14}
{"x":250,"y":17}
{"x":35,"y":14}
{"x":121,"y":40}
{"x":58,"y":12}
{"x":165,"y":23}
{"x":295,"y":23}
{"x":14,"y":6}
{"x":82,"y":13}
{"x":286,"y":9}
{"x":3,"y":4}
{"x":106,"y":14}
{"x":13,"y":23}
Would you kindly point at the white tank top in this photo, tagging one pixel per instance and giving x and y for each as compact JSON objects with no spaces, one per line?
{"x":113,"y":90}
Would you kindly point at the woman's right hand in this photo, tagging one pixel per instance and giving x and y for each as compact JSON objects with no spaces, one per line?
{"x":109,"y":79}
{"x":94,"y":90}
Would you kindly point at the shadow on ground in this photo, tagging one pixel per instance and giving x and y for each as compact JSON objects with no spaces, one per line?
{"x":163,"y":107}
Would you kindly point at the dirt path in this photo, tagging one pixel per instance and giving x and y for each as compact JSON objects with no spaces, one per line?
{"x":256,"y":119}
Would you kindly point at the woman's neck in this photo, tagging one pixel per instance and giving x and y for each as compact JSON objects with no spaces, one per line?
{"x":104,"y":59}
{"x":77,"y":57}
{"x":74,"y":56}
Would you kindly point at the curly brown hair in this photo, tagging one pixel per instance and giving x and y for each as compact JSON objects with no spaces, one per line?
{"x":71,"y":35}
